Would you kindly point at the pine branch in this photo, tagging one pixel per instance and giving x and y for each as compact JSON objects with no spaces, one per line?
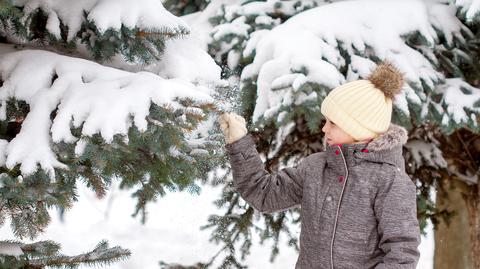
{"x":43,"y":254}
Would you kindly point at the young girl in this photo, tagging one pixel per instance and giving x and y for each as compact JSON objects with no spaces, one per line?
{"x":358,"y":206}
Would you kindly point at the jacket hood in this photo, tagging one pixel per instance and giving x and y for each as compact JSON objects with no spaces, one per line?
{"x":386,"y":148}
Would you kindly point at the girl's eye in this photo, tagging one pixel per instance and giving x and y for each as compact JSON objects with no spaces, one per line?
{"x":331,"y":122}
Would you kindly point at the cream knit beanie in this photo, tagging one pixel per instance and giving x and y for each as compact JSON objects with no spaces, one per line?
{"x":363,"y":108}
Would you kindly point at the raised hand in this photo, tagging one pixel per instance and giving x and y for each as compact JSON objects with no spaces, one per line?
{"x":233,"y":126}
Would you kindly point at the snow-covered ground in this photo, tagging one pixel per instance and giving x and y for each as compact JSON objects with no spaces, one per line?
{"x":171,"y":233}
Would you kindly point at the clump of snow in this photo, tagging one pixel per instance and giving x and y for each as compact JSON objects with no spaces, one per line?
{"x":471,"y":8}
{"x":427,"y":154}
{"x":11,"y":248}
{"x":200,"y":25}
{"x":237,"y":27}
{"x":459,"y":96}
{"x":101,"y":98}
{"x":3,"y":145}
{"x":252,"y":42}
{"x":80,"y":146}
{"x":183,"y":58}
{"x":229,"y":35}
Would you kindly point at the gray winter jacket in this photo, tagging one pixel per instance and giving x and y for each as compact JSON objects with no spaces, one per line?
{"x":358,"y":206}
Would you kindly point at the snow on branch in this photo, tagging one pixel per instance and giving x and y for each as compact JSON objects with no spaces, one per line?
{"x":471,"y":8}
{"x":46,"y":253}
{"x":427,"y":154}
{"x":100,"y":100}
{"x":349,"y":37}
{"x":105,"y":14}
{"x":99,"y":29}
{"x":462,"y":101}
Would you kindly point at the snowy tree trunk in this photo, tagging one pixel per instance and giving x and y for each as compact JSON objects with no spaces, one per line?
{"x":452,"y":243}
{"x":473,"y":207}
{"x":457,"y":245}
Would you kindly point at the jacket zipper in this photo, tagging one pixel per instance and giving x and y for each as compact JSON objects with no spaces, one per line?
{"x":338,"y":207}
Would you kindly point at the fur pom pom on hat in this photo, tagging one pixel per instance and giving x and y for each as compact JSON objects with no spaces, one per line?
{"x":387,"y":78}
{"x":363,"y":108}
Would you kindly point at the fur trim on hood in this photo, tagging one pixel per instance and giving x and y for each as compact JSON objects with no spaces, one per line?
{"x":388,"y":147}
{"x":395,"y":135}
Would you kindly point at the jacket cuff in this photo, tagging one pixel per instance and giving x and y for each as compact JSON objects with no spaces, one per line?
{"x":241,"y":144}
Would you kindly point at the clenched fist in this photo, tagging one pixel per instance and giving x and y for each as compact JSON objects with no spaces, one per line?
{"x":233,"y":126}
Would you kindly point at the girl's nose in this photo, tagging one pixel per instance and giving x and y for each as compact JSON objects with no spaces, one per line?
{"x":325,"y":128}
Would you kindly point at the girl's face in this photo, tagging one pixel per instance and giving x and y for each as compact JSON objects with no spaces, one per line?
{"x":335,"y":135}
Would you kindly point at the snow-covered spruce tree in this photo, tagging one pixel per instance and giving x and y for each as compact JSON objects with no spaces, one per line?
{"x":95,"y":91}
{"x":286,"y":70}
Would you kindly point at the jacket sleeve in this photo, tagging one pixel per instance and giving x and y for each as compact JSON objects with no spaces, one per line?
{"x":266,"y":192}
{"x":396,"y":213}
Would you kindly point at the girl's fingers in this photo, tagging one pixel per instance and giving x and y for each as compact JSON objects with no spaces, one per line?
{"x":239,"y":118}
{"x":223,"y":126}
{"x":225,"y":119}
